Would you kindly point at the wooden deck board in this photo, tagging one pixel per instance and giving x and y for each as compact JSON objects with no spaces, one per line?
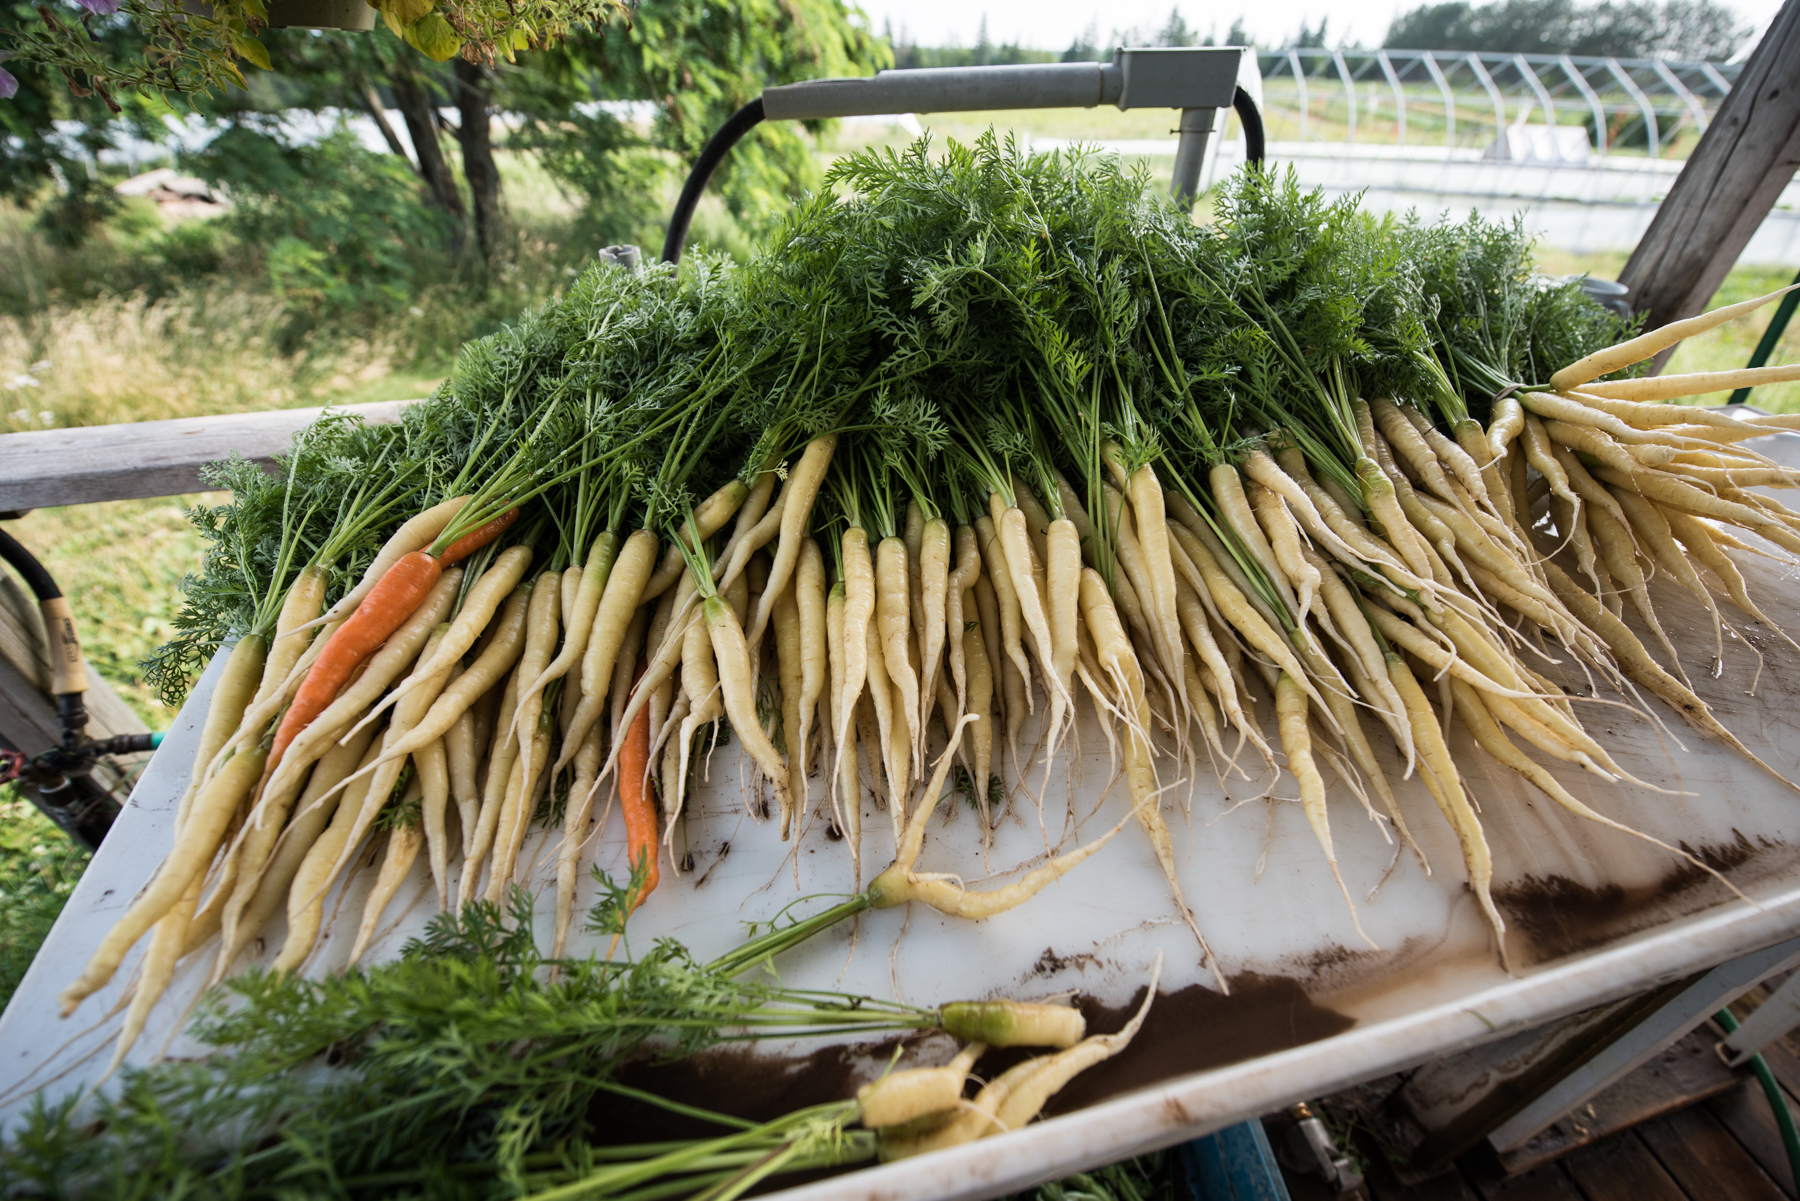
{"x":1548,"y":1183}
{"x":1448,"y":1187}
{"x":1704,"y":1159}
{"x":1745,"y":1113}
{"x":1621,"y":1169}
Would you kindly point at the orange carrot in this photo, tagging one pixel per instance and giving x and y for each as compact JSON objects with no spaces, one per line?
{"x":389,"y":603}
{"x":478,"y":537}
{"x":641,"y":826}
{"x":393,"y":599}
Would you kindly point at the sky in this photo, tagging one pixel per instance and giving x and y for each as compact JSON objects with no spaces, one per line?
{"x":1054,"y":24}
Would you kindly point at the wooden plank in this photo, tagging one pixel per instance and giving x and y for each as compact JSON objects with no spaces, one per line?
{"x":84,"y":464}
{"x":1731,"y":181}
{"x":1621,"y":1169}
{"x":1704,"y":1159}
{"x":1548,"y":1183}
{"x":1448,"y":1187}
{"x":1744,"y":1111}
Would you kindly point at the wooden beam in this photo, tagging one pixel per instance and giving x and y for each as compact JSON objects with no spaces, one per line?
{"x":1744,"y":160}
{"x":84,"y":464}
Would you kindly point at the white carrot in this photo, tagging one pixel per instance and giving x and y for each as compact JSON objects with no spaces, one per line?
{"x":1648,"y":345}
{"x":809,"y":597}
{"x":798,"y":494}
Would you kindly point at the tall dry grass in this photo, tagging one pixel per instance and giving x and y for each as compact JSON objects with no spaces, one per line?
{"x":186,"y":355}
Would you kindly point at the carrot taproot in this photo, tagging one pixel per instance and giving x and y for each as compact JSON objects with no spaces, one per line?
{"x":575,"y":823}
{"x":157,"y":969}
{"x":801,"y":489}
{"x":401,"y":853}
{"x":894,"y":624}
{"x":393,"y":599}
{"x":1648,"y":345}
{"x":881,"y":692}
{"x":900,"y":884}
{"x":809,"y":598}
{"x":212,"y":811}
{"x":415,"y":534}
{"x":462,"y":762}
{"x":619,"y":602}
{"x":309,"y":821}
{"x":1236,"y":506}
{"x":306,"y":895}
{"x":958,"y":590}
{"x":1444,"y":783}
{"x":844,"y":790}
{"x":638,"y":809}
{"x":859,"y":608}
{"x":467,"y":544}
{"x":519,"y":804}
{"x":708,"y":517}
{"x":433,"y":765}
{"x":1000,"y":579}
{"x":700,"y":685}
{"x":933,"y":569}
{"x":899,"y":1097}
{"x":787,"y":662}
{"x":502,"y":752}
{"x":540,"y":644}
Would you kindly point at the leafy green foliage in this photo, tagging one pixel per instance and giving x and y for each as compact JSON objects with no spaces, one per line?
{"x":1500,"y":322}
{"x":165,"y":47}
{"x":323,"y":506}
{"x":928,"y":311}
{"x":466,"y":1068}
{"x":342,"y":228}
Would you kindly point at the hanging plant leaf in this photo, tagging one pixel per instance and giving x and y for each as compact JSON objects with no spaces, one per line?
{"x":248,"y":47}
{"x":433,"y":37}
{"x":406,"y":12}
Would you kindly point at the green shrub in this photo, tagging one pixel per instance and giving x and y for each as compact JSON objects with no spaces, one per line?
{"x":340,"y":229}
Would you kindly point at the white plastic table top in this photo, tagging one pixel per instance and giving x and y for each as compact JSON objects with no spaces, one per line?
{"x":1593,"y":915}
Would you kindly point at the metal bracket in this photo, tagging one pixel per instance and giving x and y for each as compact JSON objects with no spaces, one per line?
{"x":1772,"y":1019}
{"x":1674,"y":1018}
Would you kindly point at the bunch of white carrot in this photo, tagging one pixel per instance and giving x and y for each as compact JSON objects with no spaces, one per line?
{"x":895,"y":578}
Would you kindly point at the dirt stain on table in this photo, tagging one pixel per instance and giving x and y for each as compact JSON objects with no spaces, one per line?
{"x":1558,"y":917}
{"x":1189,"y":1030}
{"x":1194,"y":1029}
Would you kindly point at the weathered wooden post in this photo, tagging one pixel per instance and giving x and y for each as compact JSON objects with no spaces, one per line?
{"x":1744,"y":160}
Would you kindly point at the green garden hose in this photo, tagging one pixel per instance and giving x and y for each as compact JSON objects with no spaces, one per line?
{"x":1784,"y":1120}
{"x":1784,"y":312}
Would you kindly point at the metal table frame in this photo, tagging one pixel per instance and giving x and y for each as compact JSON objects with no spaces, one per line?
{"x":1201,"y":82}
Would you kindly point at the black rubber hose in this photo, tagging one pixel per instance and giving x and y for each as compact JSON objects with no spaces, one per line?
{"x":714,"y":152}
{"x":71,"y":710}
{"x":29,"y":569}
{"x":1250,"y":117}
